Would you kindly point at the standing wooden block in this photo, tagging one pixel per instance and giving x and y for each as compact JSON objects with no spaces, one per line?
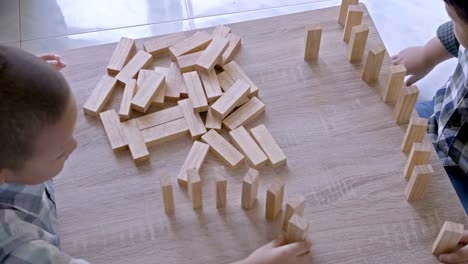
{"x":274,"y":200}
{"x":405,"y":104}
{"x":414,"y":133}
{"x":122,"y":54}
{"x":230,"y":99}
{"x":126,"y":103}
{"x":236,"y":73}
{"x":419,"y":155}
{"x":194,"y":121}
{"x":419,"y":182}
{"x":114,"y":132}
{"x":175,"y":84}
{"x":195,"y":158}
{"x":130,"y":70}
{"x":294,"y":205}
{"x":100,"y":95}
{"x":146,"y":93}
{"x":159,"y":117}
{"x":167,"y":194}
{"x":344,"y":10}
{"x":212,"y":55}
{"x":312,"y":42}
{"x":221,"y":191}
{"x":195,"y":91}
{"x":211,"y":85}
{"x":448,"y":238}
{"x":223,"y":149}
{"x":354,"y":18}
{"x":373,"y":65}
{"x":158,"y":99}
{"x":158,"y":46}
{"x":195,"y":188}
{"x":269,"y":145}
{"x":135,"y":140}
{"x":234,"y":45}
{"x":249,"y":189}
{"x":246,"y":113}
{"x":357,"y":43}
{"x":225,"y":81}
{"x":298,"y":228}
{"x":394,"y":82}
{"x":187,"y":62}
{"x":197,"y":42}
{"x":213,"y":122}
{"x":165,"y":132}
{"x":243,"y":141}
{"x":221,"y":31}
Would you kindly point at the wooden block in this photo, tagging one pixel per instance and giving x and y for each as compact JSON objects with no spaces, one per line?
{"x":448,"y":238}
{"x":130,"y":70}
{"x":160,"y":95}
{"x":167,"y":194}
{"x":212,"y":55}
{"x":221,"y":31}
{"x":223,"y":149}
{"x":147,"y":92}
{"x":415,"y":132}
{"x":405,"y":104}
{"x":344,"y":10}
{"x":100,"y":95}
{"x":175,"y":84}
{"x":211,"y":85}
{"x":246,"y":113}
{"x":187,"y":62}
{"x":394,"y":82}
{"x":419,"y":182}
{"x":294,"y":205}
{"x":312,"y":42}
{"x":213,"y":122}
{"x":114,"y":132}
{"x":160,"y":45}
{"x":357,"y":43}
{"x":225,"y":81}
{"x":195,"y":188}
{"x":262,"y":136}
{"x":159,"y":117}
{"x":419,"y":155}
{"x":126,"y":103}
{"x":135,"y":140}
{"x":195,"y":91}
{"x":194,"y":121}
{"x":249,"y":189}
{"x":274,"y":200}
{"x":143,"y":74}
{"x":298,"y":228}
{"x":221,"y":191}
{"x":234,"y":45}
{"x":122,"y":54}
{"x":230,"y":99}
{"x":236,"y":73}
{"x":247,"y":145}
{"x":373,"y":65}
{"x":197,"y":42}
{"x":165,"y":132}
{"x":195,"y":158}
{"x":354,"y":18}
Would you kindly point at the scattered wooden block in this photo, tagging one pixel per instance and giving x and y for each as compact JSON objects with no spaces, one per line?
{"x":212,"y":55}
{"x":249,"y":189}
{"x":195,"y":188}
{"x":167,"y":194}
{"x":159,"y":117}
{"x":194,"y":121}
{"x":165,"y":132}
{"x":312,"y":42}
{"x":114,"y":132}
{"x":195,"y":158}
{"x":175,"y":84}
{"x":354,"y":18}
{"x":298,"y":228}
{"x":158,"y":99}
{"x":419,"y":155}
{"x":394,"y":82}
{"x":357,"y":43}
{"x":344,"y":10}
{"x":236,"y":73}
{"x":130,"y":70}
{"x":143,"y":74}
{"x":135,"y":140}
{"x":122,"y":53}
{"x":223,"y":149}
{"x":225,"y":81}
{"x":373,"y":65}
{"x":158,"y":46}
{"x":221,"y":190}
{"x":100,"y":95}
{"x":265,"y":140}
{"x":419,"y":182}
{"x":147,"y":92}
{"x":197,"y":42}
{"x":247,"y":145}
{"x":195,"y":91}
{"x":448,"y":238}
{"x":414,"y":133}
{"x":246,"y":113}
{"x":187,"y":62}
{"x":274,"y":200}
{"x":230,"y":99}
{"x":294,"y":205}
{"x":211,"y":85}
{"x":234,"y":45}
{"x":221,"y":31}
{"x":213,"y":122}
{"x":126,"y":103}
{"x":405,"y":104}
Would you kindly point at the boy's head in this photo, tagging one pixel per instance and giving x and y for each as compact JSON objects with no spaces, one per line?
{"x":458,"y":11}
{"x":37,"y":117}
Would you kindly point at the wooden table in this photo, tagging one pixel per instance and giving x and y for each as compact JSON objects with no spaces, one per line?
{"x":344,"y":155}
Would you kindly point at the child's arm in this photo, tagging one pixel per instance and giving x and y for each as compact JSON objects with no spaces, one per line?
{"x":459,"y":256}
{"x":53,"y":60}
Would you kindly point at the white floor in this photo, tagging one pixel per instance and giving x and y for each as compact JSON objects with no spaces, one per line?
{"x":52,"y":25}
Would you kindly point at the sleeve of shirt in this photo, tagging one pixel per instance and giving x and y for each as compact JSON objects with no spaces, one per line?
{"x":447,"y":37}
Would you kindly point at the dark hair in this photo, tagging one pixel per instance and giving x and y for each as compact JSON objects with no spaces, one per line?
{"x":32,"y":96}
{"x":460,"y":7}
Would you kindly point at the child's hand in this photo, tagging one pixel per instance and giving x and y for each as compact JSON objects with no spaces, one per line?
{"x":459,"y":256}
{"x":415,"y":61}
{"x":53,"y":60}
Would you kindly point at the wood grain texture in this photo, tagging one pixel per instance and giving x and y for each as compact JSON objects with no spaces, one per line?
{"x":122,"y":54}
{"x":354,"y":18}
{"x":357,"y":43}
{"x":130,"y":70}
{"x":110,"y":122}
{"x":415,"y":132}
{"x":197,"y":42}
{"x":448,"y":238}
{"x":100,"y":95}
{"x":211,"y":85}
{"x":212,"y":54}
{"x":223,"y":149}
{"x":247,"y":145}
{"x":313,"y":38}
{"x":234,"y":46}
{"x":125,"y":110}
{"x":158,"y":46}
{"x":195,"y":91}
{"x":395,"y":80}
{"x":230,"y":99}
{"x":344,"y":10}
{"x":267,"y":142}
{"x":194,"y":160}
{"x":375,"y":58}
{"x":194,"y":121}
{"x":244,"y":114}
{"x":294,"y":205}
{"x":135,"y":140}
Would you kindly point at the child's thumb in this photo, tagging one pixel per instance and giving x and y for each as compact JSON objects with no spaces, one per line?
{"x":297,"y":248}
{"x":455,"y":257}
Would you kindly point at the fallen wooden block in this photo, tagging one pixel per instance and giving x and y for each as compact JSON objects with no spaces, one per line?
{"x":249,"y":189}
{"x":100,"y":95}
{"x":354,"y":18}
{"x":223,"y":149}
{"x":197,"y":42}
{"x":394,"y":83}
{"x":294,"y":205}
{"x":225,"y":81}
{"x":114,"y":132}
{"x":147,"y":92}
{"x":344,"y":10}
{"x":211,"y":85}
{"x":415,"y":132}
{"x":159,"y":117}
{"x":373,"y":65}
{"x":448,"y":238}
{"x":187,"y":62}
{"x":175,"y":84}
{"x":213,"y":122}
{"x":165,"y":132}
{"x":230,"y":99}
{"x":234,"y":45}
{"x":158,"y":99}
{"x":419,"y":182}
{"x":158,"y":46}
{"x":167,"y":194}
{"x":195,"y":188}
{"x":247,"y":145}
{"x":195,"y":158}
{"x":126,"y":103}
{"x":130,"y":70}
{"x":298,"y":228}
{"x":194,"y":121}
{"x":195,"y":91}
{"x":212,"y":55}
{"x":221,"y":31}
{"x":265,"y":140}
{"x":405,"y":104}
{"x":246,"y":113}
{"x":236,"y":73}
{"x":419,"y":155}
{"x":357,"y":43}
{"x":135,"y":140}
{"x":221,"y":190}
{"x":274,"y":200}
{"x":312,"y":42}
{"x":143,"y":74}
{"x":122,"y":53}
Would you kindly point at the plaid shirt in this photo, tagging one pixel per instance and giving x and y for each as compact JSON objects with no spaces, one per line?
{"x":28,"y":231}
{"x":448,"y":126}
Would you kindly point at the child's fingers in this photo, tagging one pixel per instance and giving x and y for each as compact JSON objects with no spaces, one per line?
{"x":48,"y":57}
{"x":459,"y":256}
{"x":297,"y":248}
{"x":277,"y":242}
{"x":464,"y":238}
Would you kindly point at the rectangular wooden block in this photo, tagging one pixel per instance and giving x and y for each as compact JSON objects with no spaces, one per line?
{"x":159,"y":117}
{"x":194,"y":121}
{"x":415,"y":132}
{"x":357,"y":43}
{"x":274,"y":200}
{"x":187,"y":62}
{"x":100,"y":95}
{"x":405,"y":104}
{"x":114,"y":132}
{"x":269,"y":145}
{"x":312,"y":42}
{"x":211,"y":85}
{"x":373,"y":65}
{"x":197,"y":42}
{"x":344,"y":10}
{"x":195,"y":91}
{"x":247,"y":145}
{"x":394,"y":83}
{"x":448,"y":238}
{"x":135,"y":140}
{"x":122,"y":54}
{"x":160,"y":45}
{"x":250,"y":189}
{"x":165,"y":132}
{"x":143,"y":74}
{"x":354,"y":18}
{"x":419,"y":155}
{"x":212,"y":55}
{"x":230,"y":99}
{"x":294,"y":205}
{"x":419,"y":182}
{"x":221,"y":191}
{"x":223,"y":149}
{"x":213,"y":122}
{"x":126,"y":103}
{"x":298,"y":228}
{"x":221,"y":31}
{"x":130,"y":70}
{"x":236,"y":73}
{"x":147,"y":92}
{"x":195,"y":158}
{"x":225,"y":81}
{"x":246,"y":113}
{"x":158,"y":99}
{"x":195,"y":188}
{"x":167,"y":194}
{"x":234,"y":45}
{"x":175,"y":84}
